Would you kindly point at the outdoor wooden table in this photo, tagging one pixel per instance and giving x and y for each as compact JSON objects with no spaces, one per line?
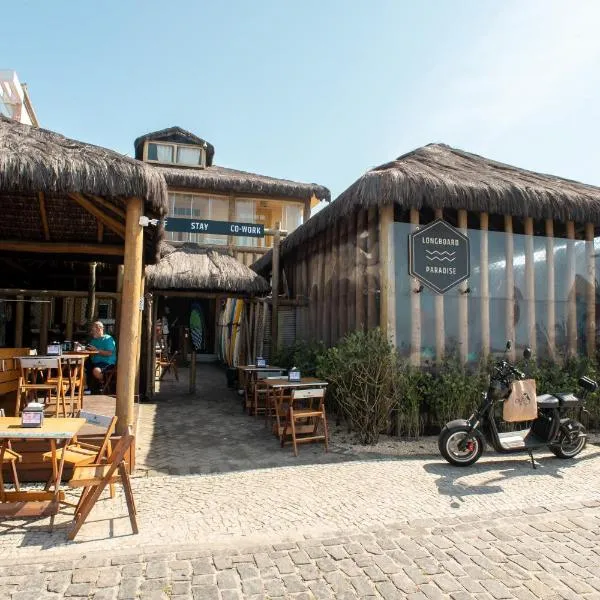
{"x":249,"y":373}
{"x":275,"y":396}
{"x":17,"y":505}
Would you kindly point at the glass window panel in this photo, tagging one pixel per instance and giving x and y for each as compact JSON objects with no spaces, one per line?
{"x":189,"y":156}
{"x":160,"y":152}
{"x":245,"y":213}
{"x":292,"y":216}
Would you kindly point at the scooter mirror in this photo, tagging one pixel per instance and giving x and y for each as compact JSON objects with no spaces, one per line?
{"x":508,"y":345}
{"x":527,"y":353}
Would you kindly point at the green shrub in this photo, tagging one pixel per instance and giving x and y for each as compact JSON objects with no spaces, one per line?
{"x":302,"y":355}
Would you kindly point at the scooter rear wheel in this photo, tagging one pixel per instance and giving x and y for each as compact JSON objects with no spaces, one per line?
{"x":570,"y":444}
{"x":450,"y":442}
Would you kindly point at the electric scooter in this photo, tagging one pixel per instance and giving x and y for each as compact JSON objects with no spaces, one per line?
{"x":461,"y":442}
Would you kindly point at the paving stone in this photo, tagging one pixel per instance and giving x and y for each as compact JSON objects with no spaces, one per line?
{"x":205,"y":592}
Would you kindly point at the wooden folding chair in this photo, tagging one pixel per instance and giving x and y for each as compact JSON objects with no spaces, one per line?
{"x":42,"y":375}
{"x":95,"y":477}
{"x":81,"y":453}
{"x":167,"y":363}
{"x":306,"y":406}
{"x":74,"y":373}
{"x":8,"y":455}
{"x":260,"y":390}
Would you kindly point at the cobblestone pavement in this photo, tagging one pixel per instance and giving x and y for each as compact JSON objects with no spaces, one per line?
{"x":387,"y":527}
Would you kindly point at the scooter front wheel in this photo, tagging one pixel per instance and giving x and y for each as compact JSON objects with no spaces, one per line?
{"x":459,"y":447}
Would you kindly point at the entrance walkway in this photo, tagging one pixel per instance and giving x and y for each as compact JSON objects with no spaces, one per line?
{"x":208,"y":432}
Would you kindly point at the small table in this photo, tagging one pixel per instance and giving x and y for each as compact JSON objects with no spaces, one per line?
{"x":18,"y":505}
{"x":281,"y":385}
{"x":249,"y":379}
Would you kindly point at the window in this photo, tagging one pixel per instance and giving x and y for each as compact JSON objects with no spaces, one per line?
{"x":197,"y":206}
{"x":191,"y":156}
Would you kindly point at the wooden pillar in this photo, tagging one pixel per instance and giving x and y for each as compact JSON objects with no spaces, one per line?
{"x":485,"y":284}
{"x":590,"y":299}
{"x":231,"y":215}
{"x":440,"y":328}
{"x":91,"y":300}
{"x":275,"y":290}
{"x":149,"y":350}
{"x":463,"y":301}
{"x":119,"y":291}
{"x":510,"y":284}
{"x":415,"y":305}
{"x":387,"y":273}
{"x":129,"y":343}
{"x":19,"y":318}
{"x":140,"y":336}
{"x":45,"y":322}
{"x":550,"y":306}
{"x":361,"y":287}
{"x":530,"y":286}
{"x":572,"y":291}
{"x":372,"y":269}
{"x":69,"y":308}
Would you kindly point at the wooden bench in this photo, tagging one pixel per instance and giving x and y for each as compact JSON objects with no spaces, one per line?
{"x":10,"y":371}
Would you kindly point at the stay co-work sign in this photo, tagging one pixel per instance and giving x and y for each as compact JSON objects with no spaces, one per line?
{"x":439,"y":256}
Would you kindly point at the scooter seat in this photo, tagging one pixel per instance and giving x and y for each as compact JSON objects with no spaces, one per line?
{"x":547,"y":401}
{"x":567,"y":399}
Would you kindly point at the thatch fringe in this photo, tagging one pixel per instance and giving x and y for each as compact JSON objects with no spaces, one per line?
{"x":438,"y":176}
{"x":224,"y":180}
{"x":39,"y":160}
{"x":190,"y":267}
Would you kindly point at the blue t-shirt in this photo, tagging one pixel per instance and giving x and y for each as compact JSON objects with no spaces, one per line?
{"x":106,"y":342}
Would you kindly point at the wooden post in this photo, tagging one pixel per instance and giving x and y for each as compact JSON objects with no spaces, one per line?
{"x":530,"y":286}
{"x":572,"y":291}
{"x":45,"y":322}
{"x":463,"y":301}
{"x":119,"y":291}
{"x":140,"y":331}
{"x":387,"y":273}
{"x":19,"y":318}
{"x":275,"y":290}
{"x":91,"y":301}
{"x":590,"y":318}
{"x":372,"y":269}
{"x":510,"y":284}
{"x":485,"y":284}
{"x":148,"y":313}
{"x":551,"y":307}
{"x":192,"y":386}
{"x":415,"y":305}
{"x":361,"y":234}
{"x":440,"y":329}
{"x":129,"y":343}
{"x":69,"y":308}
{"x":231,"y":238}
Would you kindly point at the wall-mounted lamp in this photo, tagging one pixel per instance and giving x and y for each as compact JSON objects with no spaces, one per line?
{"x":466,"y":291}
{"x":419,"y":289}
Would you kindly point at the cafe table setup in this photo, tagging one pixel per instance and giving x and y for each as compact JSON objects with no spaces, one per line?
{"x":249,"y":375}
{"x":32,"y":425}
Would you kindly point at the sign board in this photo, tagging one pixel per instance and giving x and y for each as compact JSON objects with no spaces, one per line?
{"x":439,"y":256}
{"x":214,"y":227}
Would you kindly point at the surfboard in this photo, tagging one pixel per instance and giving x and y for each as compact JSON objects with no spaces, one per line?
{"x":197,"y":327}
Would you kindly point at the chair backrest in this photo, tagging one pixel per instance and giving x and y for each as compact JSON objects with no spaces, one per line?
{"x":302,"y":394}
{"x":270,"y":374}
{"x":96,"y":419}
{"x":39,"y":362}
{"x":32,"y":367}
{"x":109,"y":422}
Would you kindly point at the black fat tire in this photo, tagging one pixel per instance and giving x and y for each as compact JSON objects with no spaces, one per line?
{"x":446,"y":437}
{"x":559,"y":450}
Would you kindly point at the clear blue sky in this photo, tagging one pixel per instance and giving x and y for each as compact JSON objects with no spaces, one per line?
{"x":319,"y":90}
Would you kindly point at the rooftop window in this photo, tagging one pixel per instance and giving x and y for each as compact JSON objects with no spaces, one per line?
{"x":178,"y":154}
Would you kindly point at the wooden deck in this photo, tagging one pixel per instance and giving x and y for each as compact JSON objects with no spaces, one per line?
{"x":32,"y":468}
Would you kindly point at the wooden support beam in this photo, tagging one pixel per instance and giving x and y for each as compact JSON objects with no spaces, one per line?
{"x":61,"y":248}
{"x":590,"y":296}
{"x":550,"y":295}
{"x":52,"y":293}
{"x":117,"y":210}
{"x":100,"y":235}
{"x":44,"y":326}
{"x":149,"y":350}
{"x":415,"y":305}
{"x":440,"y":325}
{"x":129,"y":343}
{"x":485,"y":283}
{"x":509,"y":247}
{"x":19,"y":317}
{"x":387,"y":273}
{"x":361,"y":283}
{"x":463,"y":301}
{"x":275,"y":290}
{"x":530,"y":286}
{"x":69,"y":310}
{"x":108,"y":221}
{"x":572,"y":292}
{"x":231,"y":214}
{"x":91,"y":299}
{"x":44,"y":216}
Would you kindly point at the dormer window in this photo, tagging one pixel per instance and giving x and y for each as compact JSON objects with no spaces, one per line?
{"x":175,"y":154}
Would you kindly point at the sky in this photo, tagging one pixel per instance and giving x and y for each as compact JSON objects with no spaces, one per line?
{"x":319,"y":90}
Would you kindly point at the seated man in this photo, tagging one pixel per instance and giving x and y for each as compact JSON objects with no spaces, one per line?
{"x":107,"y":351}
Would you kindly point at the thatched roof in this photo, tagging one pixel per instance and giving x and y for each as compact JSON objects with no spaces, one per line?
{"x":189,"y":267}
{"x":224,"y":180}
{"x":438,"y":176}
{"x":39,"y":160}
{"x":175,"y":135}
